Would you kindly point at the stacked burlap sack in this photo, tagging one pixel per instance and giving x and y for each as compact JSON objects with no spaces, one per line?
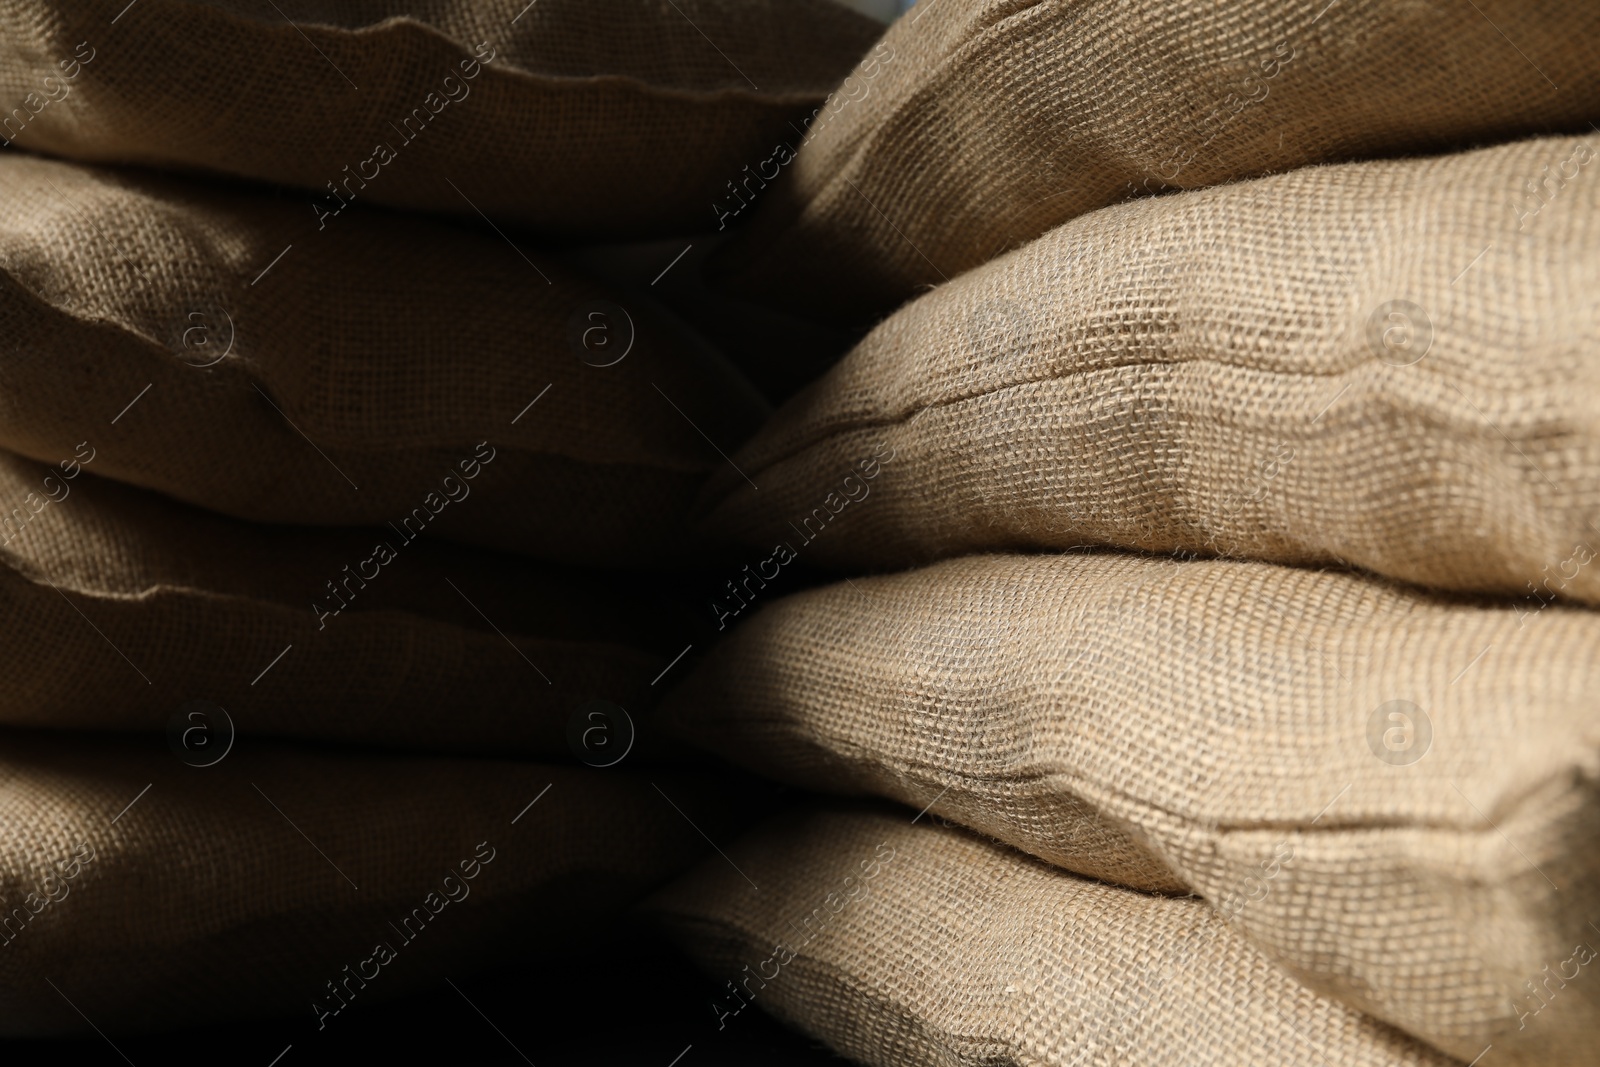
{"x":355,"y":510}
{"x":1237,"y":698}
{"x":979,"y":125}
{"x":1240,"y":697}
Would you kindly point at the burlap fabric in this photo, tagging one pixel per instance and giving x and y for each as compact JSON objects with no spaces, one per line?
{"x":127,"y":605}
{"x":1393,"y":794}
{"x":901,"y":945}
{"x":1000,"y":119}
{"x":589,"y":117}
{"x":213,"y":345}
{"x":1385,"y":363}
{"x":246,"y":888}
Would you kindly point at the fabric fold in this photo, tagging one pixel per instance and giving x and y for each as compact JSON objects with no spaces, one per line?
{"x":1392,"y":793}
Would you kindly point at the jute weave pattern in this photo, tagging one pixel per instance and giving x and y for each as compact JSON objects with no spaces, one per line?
{"x":204,"y":901}
{"x":1001,"y":119}
{"x":1392,"y":793}
{"x":904,"y":945}
{"x":597,"y":118}
{"x":135,"y":604}
{"x":217,"y":348}
{"x":1390,"y":364}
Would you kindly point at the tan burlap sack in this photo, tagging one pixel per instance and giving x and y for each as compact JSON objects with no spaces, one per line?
{"x":1393,"y":364}
{"x":582,"y":117}
{"x":901,"y":945}
{"x":997,"y":120}
{"x":124,"y":606}
{"x":1392,"y":793}
{"x":211,"y":345}
{"x":151,"y":895}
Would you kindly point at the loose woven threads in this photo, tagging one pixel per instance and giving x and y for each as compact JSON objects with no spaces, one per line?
{"x":1000,"y":120}
{"x":216,"y":347}
{"x":589,"y":117}
{"x":903,"y":944}
{"x":135,"y":604}
{"x":1386,"y":364}
{"x":246,"y":889}
{"x":1390,"y":792}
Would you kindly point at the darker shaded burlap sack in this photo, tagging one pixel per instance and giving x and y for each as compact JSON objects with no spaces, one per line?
{"x":582,"y":117}
{"x":901,"y":945}
{"x":126,"y":605}
{"x":994,"y":121}
{"x":1392,"y":793}
{"x":280,"y":881}
{"x":213,"y":345}
{"x":1392,"y":364}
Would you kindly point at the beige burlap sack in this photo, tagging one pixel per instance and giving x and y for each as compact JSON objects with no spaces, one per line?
{"x":997,"y":120}
{"x":901,"y":945}
{"x":1394,"y":364}
{"x":581,"y":117}
{"x":212,"y":345}
{"x":124,"y":606}
{"x":1392,"y":793}
{"x":280,"y":881}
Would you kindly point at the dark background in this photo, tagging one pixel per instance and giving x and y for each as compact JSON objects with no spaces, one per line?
{"x":633,"y":1001}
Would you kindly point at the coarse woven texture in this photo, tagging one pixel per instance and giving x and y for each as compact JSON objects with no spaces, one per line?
{"x":1393,"y":793}
{"x":130,"y":605}
{"x":902,"y":945}
{"x":213,"y":345}
{"x":591,"y":117}
{"x":1001,"y":119}
{"x":247,"y":888}
{"x":1394,"y":364}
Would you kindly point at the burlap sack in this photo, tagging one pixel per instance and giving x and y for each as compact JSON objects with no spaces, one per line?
{"x":998,"y":120}
{"x":153,"y":895}
{"x":575,"y":116}
{"x":1393,"y":794}
{"x":124,"y":606}
{"x":902,"y":945}
{"x":211,"y":345}
{"x":1391,"y":364}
